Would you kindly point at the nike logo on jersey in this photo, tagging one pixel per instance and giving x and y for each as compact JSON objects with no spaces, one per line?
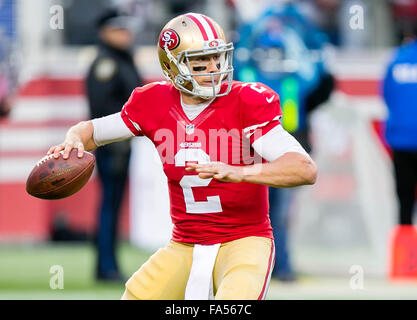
{"x":270,"y":99}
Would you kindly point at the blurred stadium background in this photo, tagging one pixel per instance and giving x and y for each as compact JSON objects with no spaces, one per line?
{"x":339,"y":228}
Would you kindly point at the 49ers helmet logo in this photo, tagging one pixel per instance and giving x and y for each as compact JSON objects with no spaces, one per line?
{"x":169,"y":38}
{"x":214,"y":43}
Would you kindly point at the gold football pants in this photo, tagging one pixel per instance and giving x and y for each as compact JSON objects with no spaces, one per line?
{"x":242,"y":271}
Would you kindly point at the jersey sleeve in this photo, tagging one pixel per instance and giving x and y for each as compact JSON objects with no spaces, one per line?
{"x":261,"y":110}
{"x":132,"y":112}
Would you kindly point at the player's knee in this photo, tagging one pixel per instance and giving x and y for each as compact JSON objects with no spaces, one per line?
{"x":244,"y":283}
{"x":163,"y":276}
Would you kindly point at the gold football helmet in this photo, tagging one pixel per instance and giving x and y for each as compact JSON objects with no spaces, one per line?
{"x":193,"y":35}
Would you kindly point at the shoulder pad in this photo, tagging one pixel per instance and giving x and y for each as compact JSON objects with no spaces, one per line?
{"x":151,"y":91}
{"x":257,"y":93}
{"x":154,"y":86}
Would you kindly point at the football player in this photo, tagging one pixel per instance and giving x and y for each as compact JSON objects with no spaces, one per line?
{"x":222,"y":145}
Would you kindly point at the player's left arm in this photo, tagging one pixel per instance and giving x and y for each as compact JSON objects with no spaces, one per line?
{"x":290,"y":170}
{"x":289,"y":164}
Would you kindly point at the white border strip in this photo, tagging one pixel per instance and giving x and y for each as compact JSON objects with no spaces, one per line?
{"x":205,"y":25}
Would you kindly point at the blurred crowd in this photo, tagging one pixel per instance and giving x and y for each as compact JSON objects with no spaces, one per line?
{"x":385,"y":22}
{"x":381,"y":23}
{"x":8,"y":72}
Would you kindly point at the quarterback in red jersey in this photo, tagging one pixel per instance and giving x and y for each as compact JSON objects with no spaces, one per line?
{"x":221,"y":145}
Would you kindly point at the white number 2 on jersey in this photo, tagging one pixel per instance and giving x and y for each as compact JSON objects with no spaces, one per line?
{"x":212,"y":205}
{"x":254,"y":86}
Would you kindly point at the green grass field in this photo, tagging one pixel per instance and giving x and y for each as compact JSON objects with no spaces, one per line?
{"x":25,"y":274}
{"x":25,"y":271}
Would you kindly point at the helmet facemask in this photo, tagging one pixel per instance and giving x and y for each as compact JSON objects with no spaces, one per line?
{"x":185,"y":76}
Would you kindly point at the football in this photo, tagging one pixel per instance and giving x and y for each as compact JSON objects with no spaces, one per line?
{"x":59,"y":178}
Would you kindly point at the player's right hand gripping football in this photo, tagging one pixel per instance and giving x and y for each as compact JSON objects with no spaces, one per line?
{"x":78,"y":137}
{"x":67,"y":146}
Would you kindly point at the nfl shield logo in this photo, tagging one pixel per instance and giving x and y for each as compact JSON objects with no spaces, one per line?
{"x":189,"y":129}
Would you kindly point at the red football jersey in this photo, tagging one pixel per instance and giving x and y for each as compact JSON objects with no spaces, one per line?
{"x":208,"y":211}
